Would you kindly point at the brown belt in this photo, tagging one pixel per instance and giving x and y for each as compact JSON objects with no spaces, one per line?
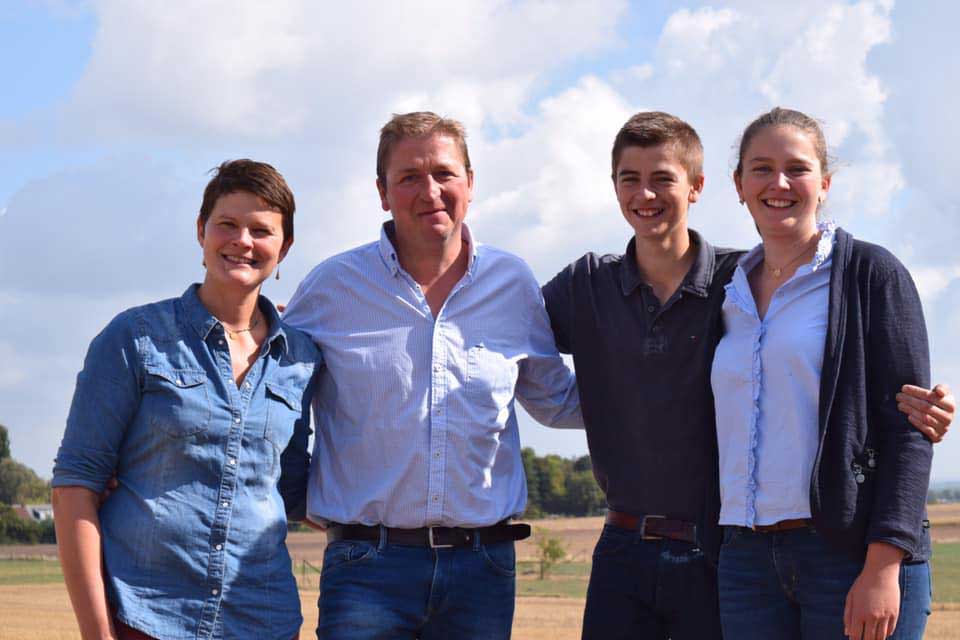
{"x":654,"y":527}
{"x":783,"y":525}
{"x":435,"y":537}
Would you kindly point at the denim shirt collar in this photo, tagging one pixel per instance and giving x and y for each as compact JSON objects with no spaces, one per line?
{"x":388,"y":253}
{"x":697,"y":281}
{"x":203,"y":321}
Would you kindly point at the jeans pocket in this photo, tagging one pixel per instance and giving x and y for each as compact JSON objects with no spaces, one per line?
{"x":501,"y":557}
{"x":344,"y":553}
{"x":731,"y":535}
{"x":612,"y":541}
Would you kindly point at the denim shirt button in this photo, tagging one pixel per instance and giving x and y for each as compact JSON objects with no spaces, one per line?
{"x":218,"y":547}
{"x":237,"y":420}
{"x":232,"y":462}
{"x":214,"y":591}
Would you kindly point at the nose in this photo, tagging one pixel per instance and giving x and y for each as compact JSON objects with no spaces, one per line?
{"x":243,"y":237}
{"x":782,"y":181}
{"x":431,"y":189}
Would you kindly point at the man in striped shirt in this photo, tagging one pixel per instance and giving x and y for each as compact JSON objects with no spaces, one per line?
{"x":427,"y":338}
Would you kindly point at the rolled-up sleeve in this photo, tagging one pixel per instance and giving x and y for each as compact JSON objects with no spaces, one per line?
{"x":105,"y":400}
{"x":899,"y":352}
{"x":295,"y":459}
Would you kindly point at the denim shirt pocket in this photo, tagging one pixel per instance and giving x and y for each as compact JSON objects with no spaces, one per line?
{"x":284,"y":408}
{"x":176,"y":401}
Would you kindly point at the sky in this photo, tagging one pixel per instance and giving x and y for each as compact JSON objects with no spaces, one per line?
{"x":113,"y":112}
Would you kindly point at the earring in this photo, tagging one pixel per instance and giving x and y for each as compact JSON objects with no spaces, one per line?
{"x":278,"y":272}
{"x":741,"y":200}
{"x":204,"y":262}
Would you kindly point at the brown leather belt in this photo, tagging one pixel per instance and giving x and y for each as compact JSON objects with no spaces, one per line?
{"x":654,"y":527}
{"x":783,"y":525}
{"x":434,"y":537}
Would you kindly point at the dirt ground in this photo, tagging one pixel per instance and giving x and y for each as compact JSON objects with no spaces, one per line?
{"x":43,"y":611}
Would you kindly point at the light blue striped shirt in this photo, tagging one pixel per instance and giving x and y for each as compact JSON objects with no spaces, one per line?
{"x":415,"y":422}
{"x":766,"y":387}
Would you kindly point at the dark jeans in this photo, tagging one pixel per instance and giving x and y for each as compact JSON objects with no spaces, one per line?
{"x":371,"y":591}
{"x":650,"y":590}
{"x":791,"y":585}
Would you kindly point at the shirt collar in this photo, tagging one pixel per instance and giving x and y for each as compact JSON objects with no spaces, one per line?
{"x":388,"y":252}
{"x":698,"y":278}
{"x":203,"y":321}
{"x":827,"y":230}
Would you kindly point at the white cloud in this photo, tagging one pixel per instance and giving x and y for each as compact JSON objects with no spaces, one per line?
{"x":306,"y":86}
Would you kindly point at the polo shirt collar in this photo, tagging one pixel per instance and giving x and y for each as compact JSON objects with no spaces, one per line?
{"x":698,"y":278}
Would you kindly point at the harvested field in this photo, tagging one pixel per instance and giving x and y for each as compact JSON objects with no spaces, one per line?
{"x":34,"y":603}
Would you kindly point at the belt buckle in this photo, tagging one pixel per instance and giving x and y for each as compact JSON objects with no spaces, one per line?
{"x":434,"y":545}
{"x":643,"y":527}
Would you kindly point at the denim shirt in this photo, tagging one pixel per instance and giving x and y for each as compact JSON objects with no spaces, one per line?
{"x":193,"y":537}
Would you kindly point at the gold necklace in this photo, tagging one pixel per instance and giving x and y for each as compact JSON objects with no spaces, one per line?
{"x":233,"y":334}
{"x":776,"y":271}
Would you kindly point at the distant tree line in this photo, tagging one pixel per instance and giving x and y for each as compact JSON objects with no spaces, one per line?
{"x":943,"y":495}
{"x":560,"y":486}
{"x":20,"y":485}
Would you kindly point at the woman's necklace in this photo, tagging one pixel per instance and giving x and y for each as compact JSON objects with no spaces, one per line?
{"x":777,"y":271}
{"x":233,"y":334}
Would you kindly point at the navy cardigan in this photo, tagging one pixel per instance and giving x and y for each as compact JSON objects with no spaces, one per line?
{"x":870,"y":475}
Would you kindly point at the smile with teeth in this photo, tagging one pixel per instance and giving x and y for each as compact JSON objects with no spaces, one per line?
{"x":776,"y":203}
{"x":647,"y":213}
{"x":239,"y":260}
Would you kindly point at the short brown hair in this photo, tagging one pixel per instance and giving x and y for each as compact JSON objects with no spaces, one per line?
{"x":415,"y":125}
{"x":655,"y":128}
{"x":258,"y":178}
{"x":779,"y":117}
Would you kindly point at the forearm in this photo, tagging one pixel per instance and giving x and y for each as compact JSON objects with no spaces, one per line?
{"x":78,"y":542}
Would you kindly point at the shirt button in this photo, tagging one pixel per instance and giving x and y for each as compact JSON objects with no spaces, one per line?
{"x":225,"y":504}
{"x":221,"y":340}
{"x":237,"y":420}
{"x":246,"y":384}
{"x":179,"y":382}
{"x":437,"y":411}
{"x":214,"y":591}
{"x":651,"y":308}
{"x":436,"y":498}
{"x":218,"y":547}
{"x":437,"y":367}
{"x":232,"y":461}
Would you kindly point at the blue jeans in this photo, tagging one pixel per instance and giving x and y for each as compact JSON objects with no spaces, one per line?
{"x":650,"y":589}
{"x":792,"y":585}
{"x":383,"y":591}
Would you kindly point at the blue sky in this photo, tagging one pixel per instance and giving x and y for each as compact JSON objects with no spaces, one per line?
{"x":114,"y":111}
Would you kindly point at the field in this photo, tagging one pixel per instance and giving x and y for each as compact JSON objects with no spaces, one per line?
{"x":34,"y":604}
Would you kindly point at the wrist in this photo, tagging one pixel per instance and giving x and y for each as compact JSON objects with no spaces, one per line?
{"x":883,"y":558}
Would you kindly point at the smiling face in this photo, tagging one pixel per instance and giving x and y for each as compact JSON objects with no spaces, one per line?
{"x":782,"y":182}
{"x":242,"y":241}
{"x":654,"y":191}
{"x":427,"y":190}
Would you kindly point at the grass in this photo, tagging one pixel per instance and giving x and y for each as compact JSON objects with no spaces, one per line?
{"x":565,"y":579}
{"x":17,"y":572}
{"x":946,"y":572}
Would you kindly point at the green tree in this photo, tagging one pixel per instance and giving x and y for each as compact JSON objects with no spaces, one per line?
{"x":20,"y":485}
{"x":584,"y":497}
{"x":4,"y":443}
{"x":550,"y":550}
{"x":532,"y":470}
